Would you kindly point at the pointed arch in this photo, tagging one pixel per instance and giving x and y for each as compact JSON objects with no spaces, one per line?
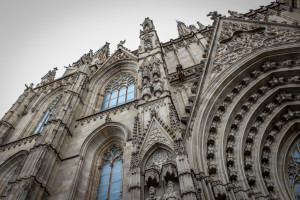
{"x":10,"y":169}
{"x":100,"y":80}
{"x":233,"y":112}
{"x":94,"y":144}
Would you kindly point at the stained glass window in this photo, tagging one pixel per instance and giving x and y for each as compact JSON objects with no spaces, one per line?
{"x":109,"y":186}
{"x":45,"y":117}
{"x":294,"y":171}
{"x":119,"y":91}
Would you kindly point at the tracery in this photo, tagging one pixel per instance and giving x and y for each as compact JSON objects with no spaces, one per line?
{"x":119,"y":91}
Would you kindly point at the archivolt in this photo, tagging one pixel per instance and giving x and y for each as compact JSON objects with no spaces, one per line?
{"x":231,"y":133}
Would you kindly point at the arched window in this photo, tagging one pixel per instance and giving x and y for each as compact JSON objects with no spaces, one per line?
{"x":294,"y":170}
{"x":119,"y":91}
{"x":109,"y":186}
{"x":46,"y":116}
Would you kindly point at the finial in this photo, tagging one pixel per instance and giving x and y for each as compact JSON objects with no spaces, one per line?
{"x":121,"y":43}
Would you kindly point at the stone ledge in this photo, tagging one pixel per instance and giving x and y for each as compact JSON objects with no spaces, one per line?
{"x":19,"y":142}
{"x":107,"y":112}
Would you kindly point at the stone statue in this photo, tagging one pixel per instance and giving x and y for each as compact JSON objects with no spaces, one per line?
{"x":48,"y":77}
{"x":157,"y":85}
{"x":152,"y":195}
{"x":146,"y":89}
{"x":180,"y":72}
{"x":182,"y":28}
{"x":30,"y":87}
{"x":171,"y":194}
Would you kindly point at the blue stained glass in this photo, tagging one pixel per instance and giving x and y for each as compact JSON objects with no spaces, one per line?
{"x":130,"y":88}
{"x":115,"y":186}
{"x":296,"y":153}
{"x":117,"y":153}
{"x":102,"y":197}
{"x":113,"y":102}
{"x":41,"y":123}
{"x":104,"y":105}
{"x":106,"y":97}
{"x":116,"y":176}
{"x":114,"y":94}
{"x":103,"y":189}
{"x":117,"y":166}
{"x":104,"y":179}
{"x":297,"y":189}
{"x":105,"y":169}
{"x":114,"y":196}
{"x":122,"y":91}
{"x":130,"y":96}
{"x":108,"y":157}
{"x":121,"y":100}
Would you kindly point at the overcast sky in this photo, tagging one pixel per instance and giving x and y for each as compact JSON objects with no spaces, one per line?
{"x":37,"y":36}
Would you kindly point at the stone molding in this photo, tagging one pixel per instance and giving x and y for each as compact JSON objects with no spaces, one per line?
{"x":19,"y":142}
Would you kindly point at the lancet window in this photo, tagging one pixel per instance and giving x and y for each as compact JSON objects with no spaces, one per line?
{"x":109,"y":187}
{"x":294,"y":170}
{"x":46,"y":116}
{"x":119,"y":91}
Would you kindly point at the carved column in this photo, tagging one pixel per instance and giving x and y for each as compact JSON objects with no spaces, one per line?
{"x":207,"y":193}
{"x":187,"y":188}
{"x":135,"y":179}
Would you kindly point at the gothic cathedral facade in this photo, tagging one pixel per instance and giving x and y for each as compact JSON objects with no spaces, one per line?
{"x":212,"y":114}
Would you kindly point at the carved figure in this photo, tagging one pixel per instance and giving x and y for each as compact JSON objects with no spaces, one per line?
{"x":182,"y":28}
{"x":146,"y":89}
{"x":152,"y":195}
{"x":213,"y":15}
{"x":201,"y":26}
{"x":157,"y":85}
{"x":180,"y":72}
{"x":48,"y":77}
{"x":148,"y":45}
{"x":171,"y":194}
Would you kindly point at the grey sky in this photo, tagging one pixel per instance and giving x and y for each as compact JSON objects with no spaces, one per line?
{"x":37,"y":36}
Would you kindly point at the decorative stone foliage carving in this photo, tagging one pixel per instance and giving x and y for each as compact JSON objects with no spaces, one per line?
{"x":153,"y":105}
{"x":238,"y":39}
{"x":156,"y":136}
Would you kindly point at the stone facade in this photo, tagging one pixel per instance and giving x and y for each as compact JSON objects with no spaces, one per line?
{"x":215,"y":115}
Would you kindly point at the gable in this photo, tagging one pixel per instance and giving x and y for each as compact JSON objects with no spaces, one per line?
{"x":234,"y":39}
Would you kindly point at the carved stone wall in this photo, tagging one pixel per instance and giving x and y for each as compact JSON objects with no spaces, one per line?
{"x":215,"y":115}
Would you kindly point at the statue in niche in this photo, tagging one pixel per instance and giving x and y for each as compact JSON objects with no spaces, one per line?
{"x":180,"y":72}
{"x":148,"y":45}
{"x":146,"y":89}
{"x":157,"y":85}
{"x":155,"y":70}
{"x":171,"y":194}
{"x":152,"y":195}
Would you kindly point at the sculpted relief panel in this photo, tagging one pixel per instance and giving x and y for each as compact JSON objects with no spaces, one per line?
{"x":238,"y":40}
